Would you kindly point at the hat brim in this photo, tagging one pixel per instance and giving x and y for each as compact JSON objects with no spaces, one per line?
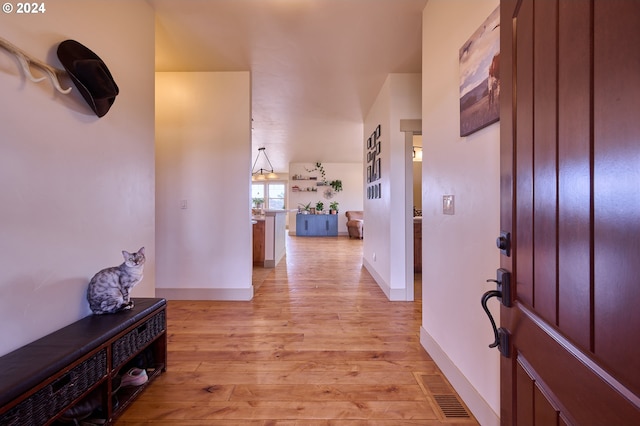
{"x":90,"y":75}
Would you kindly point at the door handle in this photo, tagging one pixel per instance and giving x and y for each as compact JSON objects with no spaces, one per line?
{"x":503,"y":292}
{"x":485,"y":297}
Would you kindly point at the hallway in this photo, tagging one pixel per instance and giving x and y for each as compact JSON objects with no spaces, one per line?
{"x":319,"y":344}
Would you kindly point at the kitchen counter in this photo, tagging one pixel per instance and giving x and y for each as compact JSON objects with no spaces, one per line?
{"x":417,"y":244}
{"x":269,"y":238}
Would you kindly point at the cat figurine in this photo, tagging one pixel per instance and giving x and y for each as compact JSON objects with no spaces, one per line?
{"x":108,"y":290}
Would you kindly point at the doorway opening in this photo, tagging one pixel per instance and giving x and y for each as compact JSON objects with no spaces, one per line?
{"x":413,"y":206}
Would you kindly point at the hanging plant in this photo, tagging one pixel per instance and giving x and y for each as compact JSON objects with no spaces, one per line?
{"x":335,"y":184}
{"x":318,"y":168}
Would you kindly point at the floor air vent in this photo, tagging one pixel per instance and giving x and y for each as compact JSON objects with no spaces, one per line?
{"x":444,"y":396}
{"x":451,"y":407}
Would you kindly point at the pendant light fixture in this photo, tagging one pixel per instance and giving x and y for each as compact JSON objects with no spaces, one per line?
{"x":262,"y":174}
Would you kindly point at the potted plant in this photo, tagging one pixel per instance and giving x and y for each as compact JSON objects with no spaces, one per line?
{"x":258,"y":202}
{"x":336,"y":185}
{"x":333,"y":207}
{"x":319,"y":207}
{"x":304,"y":208}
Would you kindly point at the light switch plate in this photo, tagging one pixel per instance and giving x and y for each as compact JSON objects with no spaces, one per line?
{"x":448,"y":204}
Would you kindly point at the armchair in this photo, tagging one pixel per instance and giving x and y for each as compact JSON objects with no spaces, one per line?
{"x":355,"y":223}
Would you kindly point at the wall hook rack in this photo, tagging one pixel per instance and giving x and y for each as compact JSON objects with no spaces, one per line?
{"x":26,"y":61}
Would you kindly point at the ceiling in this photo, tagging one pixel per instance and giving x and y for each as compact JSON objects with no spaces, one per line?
{"x":316,"y":65}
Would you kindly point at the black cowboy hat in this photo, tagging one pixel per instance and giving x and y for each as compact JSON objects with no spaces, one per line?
{"x":90,"y":75}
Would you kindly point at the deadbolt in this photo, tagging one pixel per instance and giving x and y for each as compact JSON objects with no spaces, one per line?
{"x":503,"y":242}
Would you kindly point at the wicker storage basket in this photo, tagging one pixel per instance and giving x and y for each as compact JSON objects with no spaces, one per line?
{"x":128,"y":345}
{"x":43,"y":405}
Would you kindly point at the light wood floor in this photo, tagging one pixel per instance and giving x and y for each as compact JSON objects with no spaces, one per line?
{"x":319,"y":344}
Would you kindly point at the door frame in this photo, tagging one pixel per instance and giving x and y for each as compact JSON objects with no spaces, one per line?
{"x":409,"y":128}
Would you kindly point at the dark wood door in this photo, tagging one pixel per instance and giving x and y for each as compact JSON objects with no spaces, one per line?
{"x":570,"y":183}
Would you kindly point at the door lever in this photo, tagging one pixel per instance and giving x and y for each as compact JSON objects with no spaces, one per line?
{"x":485,"y":297}
{"x":503,"y":292}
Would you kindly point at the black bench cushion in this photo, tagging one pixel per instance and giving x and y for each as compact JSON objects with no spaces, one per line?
{"x":28,"y":366}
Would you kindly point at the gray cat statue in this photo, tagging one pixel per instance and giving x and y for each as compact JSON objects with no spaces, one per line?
{"x":109,"y":289}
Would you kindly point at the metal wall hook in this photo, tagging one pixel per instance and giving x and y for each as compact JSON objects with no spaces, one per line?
{"x":26,"y":61}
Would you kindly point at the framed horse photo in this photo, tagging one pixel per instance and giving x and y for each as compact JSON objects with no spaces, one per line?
{"x":480,"y":76}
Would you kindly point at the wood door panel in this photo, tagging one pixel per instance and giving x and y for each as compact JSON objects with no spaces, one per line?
{"x":545,"y":413}
{"x":570,"y":184}
{"x":573,"y":382}
{"x":617,"y":188}
{"x":544,"y":157}
{"x":525,"y":396}
{"x":574,"y":172}
{"x":534,"y":407}
{"x":524,"y":164}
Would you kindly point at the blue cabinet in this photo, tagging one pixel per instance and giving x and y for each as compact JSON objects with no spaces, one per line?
{"x":317,"y":225}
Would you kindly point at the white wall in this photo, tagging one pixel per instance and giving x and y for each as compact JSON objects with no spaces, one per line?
{"x":75,"y":189}
{"x":350,"y":198}
{"x":459,"y":252}
{"x":386,"y":236}
{"x":203,"y":148}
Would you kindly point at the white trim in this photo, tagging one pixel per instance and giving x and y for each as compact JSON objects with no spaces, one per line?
{"x":393,"y":294}
{"x":230,"y":294}
{"x":478,"y":406}
{"x":410,"y":128}
{"x":408,"y":215}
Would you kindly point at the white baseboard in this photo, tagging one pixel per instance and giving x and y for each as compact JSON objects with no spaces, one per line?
{"x":478,"y":406}
{"x":231,"y":294}
{"x":393,"y":294}
{"x":384,"y":286}
{"x":292,"y":232}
